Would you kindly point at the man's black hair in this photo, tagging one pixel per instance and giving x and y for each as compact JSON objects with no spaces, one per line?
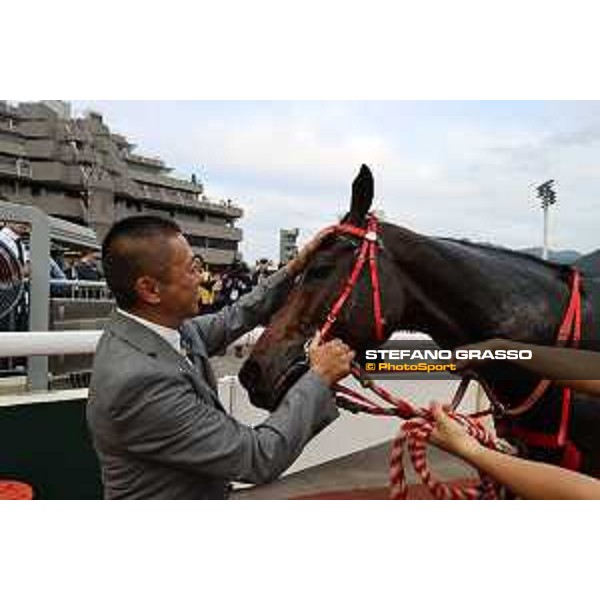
{"x":128,"y":255}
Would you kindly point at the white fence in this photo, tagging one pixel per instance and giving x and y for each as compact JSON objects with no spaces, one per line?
{"x":52,"y":343}
{"x":48,"y":343}
{"x":79,"y":289}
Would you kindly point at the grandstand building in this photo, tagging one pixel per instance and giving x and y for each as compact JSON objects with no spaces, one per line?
{"x":78,"y":170}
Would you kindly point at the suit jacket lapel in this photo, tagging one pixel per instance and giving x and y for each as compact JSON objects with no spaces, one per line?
{"x":149,"y":342}
{"x":196,"y":352}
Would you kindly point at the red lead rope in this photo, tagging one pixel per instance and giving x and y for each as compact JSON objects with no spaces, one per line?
{"x":415,"y":432}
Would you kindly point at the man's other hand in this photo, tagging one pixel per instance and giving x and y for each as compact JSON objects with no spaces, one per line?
{"x":330,"y":360}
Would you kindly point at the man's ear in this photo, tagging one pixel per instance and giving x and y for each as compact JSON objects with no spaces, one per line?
{"x":147,"y":290}
{"x":363,"y":188}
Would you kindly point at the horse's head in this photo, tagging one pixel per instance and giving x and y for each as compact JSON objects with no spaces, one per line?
{"x":278,"y":358}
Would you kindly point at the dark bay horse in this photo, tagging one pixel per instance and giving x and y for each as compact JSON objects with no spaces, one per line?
{"x":457,"y":292}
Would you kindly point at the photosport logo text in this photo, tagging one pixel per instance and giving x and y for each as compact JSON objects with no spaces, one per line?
{"x":424,"y":359}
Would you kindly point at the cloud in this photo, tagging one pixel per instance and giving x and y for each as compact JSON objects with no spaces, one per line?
{"x":464,"y":173}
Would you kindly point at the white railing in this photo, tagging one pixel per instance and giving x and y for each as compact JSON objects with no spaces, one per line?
{"x":48,"y":343}
{"x":79,"y":289}
{"x":53,"y":343}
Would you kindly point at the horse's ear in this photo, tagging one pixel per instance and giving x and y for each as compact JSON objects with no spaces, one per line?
{"x":362,"y":196}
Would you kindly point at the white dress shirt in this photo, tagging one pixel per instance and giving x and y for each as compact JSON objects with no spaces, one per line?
{"x":172,"y":336}
{"x":14,"y":243}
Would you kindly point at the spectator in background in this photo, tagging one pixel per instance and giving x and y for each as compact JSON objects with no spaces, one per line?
{"x":12,"y":236}
{"x":217,"y":289}
{"x":261,"y":272}
{"x":235,"y":283}
{"x":57,"y":276}
{"x":87,"y":268}
{"x":206,"y":294}
{"x":70,"y":267}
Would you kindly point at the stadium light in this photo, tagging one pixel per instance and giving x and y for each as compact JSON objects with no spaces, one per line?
{"x":547,"y":197}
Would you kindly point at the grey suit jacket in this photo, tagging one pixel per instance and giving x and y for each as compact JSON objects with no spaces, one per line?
{"x":156,"y":421}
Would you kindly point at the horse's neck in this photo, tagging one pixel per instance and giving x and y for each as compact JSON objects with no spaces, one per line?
{"x":460,"y":292}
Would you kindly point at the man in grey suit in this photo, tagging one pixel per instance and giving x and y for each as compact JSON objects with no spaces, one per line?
{"x":154,"y":413}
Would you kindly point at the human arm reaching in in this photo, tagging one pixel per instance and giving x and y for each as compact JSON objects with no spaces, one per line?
{"x":527,"y":479}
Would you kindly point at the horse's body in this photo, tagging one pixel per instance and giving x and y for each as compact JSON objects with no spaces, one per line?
{"x":457,"y":292}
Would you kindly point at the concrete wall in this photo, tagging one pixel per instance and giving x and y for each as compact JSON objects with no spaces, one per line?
{"x":47,"y":445}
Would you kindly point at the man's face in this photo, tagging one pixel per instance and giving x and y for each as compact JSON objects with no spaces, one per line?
{"x":21,"y":229}
{"x":179,"y":289}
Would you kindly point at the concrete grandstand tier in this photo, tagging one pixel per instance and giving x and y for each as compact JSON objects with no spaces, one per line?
{"x":79,"y":170}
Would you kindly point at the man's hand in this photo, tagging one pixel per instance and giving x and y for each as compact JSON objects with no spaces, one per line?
{"x":452,"y":436}
{"x":299,"y":262}
{"x":331,"y":360}
{"x":492,"y":344}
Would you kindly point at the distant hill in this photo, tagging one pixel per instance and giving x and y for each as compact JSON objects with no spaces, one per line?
{"x":565,"y":257}
{"x":590,"y":263}
{"x":587,"y":263}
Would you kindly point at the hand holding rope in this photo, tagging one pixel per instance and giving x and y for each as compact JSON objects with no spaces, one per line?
{"x":414,"y":435}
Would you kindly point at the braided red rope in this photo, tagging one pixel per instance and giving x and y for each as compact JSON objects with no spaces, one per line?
{"x":414,"y":435}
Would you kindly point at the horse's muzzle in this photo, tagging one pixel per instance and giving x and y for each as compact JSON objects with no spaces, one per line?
{"x":265,"y":396}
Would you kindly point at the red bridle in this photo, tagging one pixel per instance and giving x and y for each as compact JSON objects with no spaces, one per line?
{"x":368,"y":251}
{"x":346,"y":397}
{"x":569,"y":333}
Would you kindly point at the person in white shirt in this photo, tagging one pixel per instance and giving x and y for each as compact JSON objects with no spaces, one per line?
{"x":10,"y":236}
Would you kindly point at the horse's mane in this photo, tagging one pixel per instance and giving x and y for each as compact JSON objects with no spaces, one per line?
{"x":417,"y":238}
{"x":509,"y":253}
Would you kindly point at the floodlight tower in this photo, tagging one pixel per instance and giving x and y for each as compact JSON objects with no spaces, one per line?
{"x":547,"y":196}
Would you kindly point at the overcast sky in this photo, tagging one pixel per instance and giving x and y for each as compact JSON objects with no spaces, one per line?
{"x":458,"y":169}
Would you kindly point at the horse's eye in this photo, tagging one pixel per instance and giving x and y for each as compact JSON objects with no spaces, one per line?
{"x":320,"y":270}
{"x":305,"y":328}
